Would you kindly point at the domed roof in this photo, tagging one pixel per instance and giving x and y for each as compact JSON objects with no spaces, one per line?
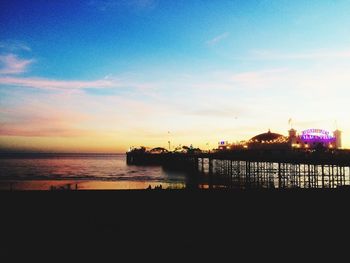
{"x":159,"y":149}
{"x":266,"y":137}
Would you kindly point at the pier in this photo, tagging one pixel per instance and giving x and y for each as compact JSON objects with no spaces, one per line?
{"x":257,"y":168}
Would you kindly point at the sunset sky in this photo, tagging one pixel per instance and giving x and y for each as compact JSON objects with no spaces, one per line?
{"x":101,"y":76}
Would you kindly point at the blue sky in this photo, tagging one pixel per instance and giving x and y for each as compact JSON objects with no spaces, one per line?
{"x":106,"y":75}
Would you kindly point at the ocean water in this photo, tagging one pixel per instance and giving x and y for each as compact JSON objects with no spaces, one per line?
{"x":81,"y":171}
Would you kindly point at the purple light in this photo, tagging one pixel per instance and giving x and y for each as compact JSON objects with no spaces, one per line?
{"x":315,"y":132}
{"x":316,"y":135}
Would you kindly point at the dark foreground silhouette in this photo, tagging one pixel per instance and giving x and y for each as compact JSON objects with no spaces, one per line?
{"x":178,"y":224}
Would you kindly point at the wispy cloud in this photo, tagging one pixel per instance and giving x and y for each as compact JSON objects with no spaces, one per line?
{"x":10,"y":129}
{"x":13,"y":46}
{"x":36,"y":118}
{"x":11,"y":64}
{"x":42,"y":83}
{"x":254,"y":78}
{"x":217,"y":39}
{"x":62,"y":115}
{"x":313,"y":54}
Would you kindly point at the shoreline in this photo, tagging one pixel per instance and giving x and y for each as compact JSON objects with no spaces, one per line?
{"x":135,"y":186}
{"x":49,"y":185}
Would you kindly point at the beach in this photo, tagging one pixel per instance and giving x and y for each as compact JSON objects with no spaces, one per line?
{"x":82,"y":172}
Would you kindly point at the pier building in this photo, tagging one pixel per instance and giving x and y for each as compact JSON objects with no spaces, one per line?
{"x":307,"y":139}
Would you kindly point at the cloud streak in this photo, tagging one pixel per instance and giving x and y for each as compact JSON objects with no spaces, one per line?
{"x":42,"y":131}
{"x":217,"y":39}
{"x":312,"y":55}
{"x":42,"y":83}
{"x":254,"y":78}
{"x":35,"y":119}
{"x":14,"y":46}
{"x":11,"y":64}
{"x":52,"y":84}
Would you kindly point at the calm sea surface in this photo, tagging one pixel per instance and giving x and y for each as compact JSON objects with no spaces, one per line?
{"x":81,"y":171}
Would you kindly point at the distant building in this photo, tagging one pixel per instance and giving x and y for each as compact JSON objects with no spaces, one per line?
{"x":268,"y":140}
{"x":223,"y":145}
{"x":337,"y":136}
{"x":158,"y":150}
{"x":308,"y":139}
{"x":315,"y":138}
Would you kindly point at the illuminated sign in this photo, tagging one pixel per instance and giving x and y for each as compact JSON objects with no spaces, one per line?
{"x":316,"y":135}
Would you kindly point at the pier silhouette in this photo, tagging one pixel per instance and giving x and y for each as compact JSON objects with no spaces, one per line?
{"x":257,"y":168}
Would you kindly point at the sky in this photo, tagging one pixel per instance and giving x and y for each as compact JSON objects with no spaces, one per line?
{"x":103,"y":76}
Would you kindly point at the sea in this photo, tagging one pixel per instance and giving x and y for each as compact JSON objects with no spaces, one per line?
{"x":75,"y":171}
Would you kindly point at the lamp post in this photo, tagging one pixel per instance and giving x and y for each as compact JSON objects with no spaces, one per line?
{"x":169,"y":140}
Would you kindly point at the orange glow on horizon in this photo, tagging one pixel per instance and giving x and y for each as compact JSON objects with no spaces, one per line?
{"x":120,"y":142}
